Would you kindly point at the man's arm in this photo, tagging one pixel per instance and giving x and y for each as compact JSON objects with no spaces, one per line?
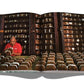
{"x":18,"y":54}
{"x":19,"y":51}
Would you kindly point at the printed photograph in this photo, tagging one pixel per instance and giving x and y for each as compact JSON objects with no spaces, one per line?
{"x":48,"y":42}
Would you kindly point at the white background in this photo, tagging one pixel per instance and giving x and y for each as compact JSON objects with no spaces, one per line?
{"x":40,"y":7}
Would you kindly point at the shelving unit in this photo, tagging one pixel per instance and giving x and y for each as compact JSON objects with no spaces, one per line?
{"x":37,"y":22}
{"x":1,"y":32}
{"x":35,"y":34}
{"x":48,"y":29}
{"x":17,"y":25}
{"x":50,"y":32}
{"x":72,"y":30}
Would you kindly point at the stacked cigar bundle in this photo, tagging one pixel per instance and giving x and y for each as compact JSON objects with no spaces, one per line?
{"x":41,"y":63}
{"x":70,"y":64}
{"x":17,"y":63}
{"x":46,"y":62}
{"x":60,"y":63}
{"x":50,"y":65}
{"x":79,"y":60}
{"x":73,"y":32}
{"x":72,"y":61}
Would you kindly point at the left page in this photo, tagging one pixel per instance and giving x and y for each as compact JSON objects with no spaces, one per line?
{"x":19,"y":41}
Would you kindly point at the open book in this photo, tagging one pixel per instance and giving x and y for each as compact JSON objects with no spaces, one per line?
{"x":50,"y":42}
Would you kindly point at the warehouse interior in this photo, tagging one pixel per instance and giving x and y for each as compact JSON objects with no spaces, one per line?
{"x":51,"y":41}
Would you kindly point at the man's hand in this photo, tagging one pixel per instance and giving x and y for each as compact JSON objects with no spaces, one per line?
{"x":18,"y":54}
{"x":13,"y":53}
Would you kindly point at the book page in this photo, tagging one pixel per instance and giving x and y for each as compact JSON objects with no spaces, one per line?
{"x":48,"y":43}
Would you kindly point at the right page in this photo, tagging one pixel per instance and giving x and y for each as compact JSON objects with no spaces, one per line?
{"x":72,"y":34}
{"x":63,"y":42}
{"x":49,"y":42}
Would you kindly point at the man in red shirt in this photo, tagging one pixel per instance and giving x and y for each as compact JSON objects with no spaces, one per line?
{"x":17,"y":49}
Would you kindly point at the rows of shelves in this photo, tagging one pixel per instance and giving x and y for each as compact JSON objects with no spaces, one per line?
{"x":41,"y":33}
{"x":17,"y":25}
{"x":72,"y":30}
{"x":48,"y":33}
{"x":37,"y":22}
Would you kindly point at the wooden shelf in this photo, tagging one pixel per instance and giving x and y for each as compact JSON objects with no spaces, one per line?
{"x":74,"y":18}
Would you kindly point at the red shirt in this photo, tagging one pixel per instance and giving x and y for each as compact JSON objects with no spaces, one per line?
{"x":16,"y":48}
